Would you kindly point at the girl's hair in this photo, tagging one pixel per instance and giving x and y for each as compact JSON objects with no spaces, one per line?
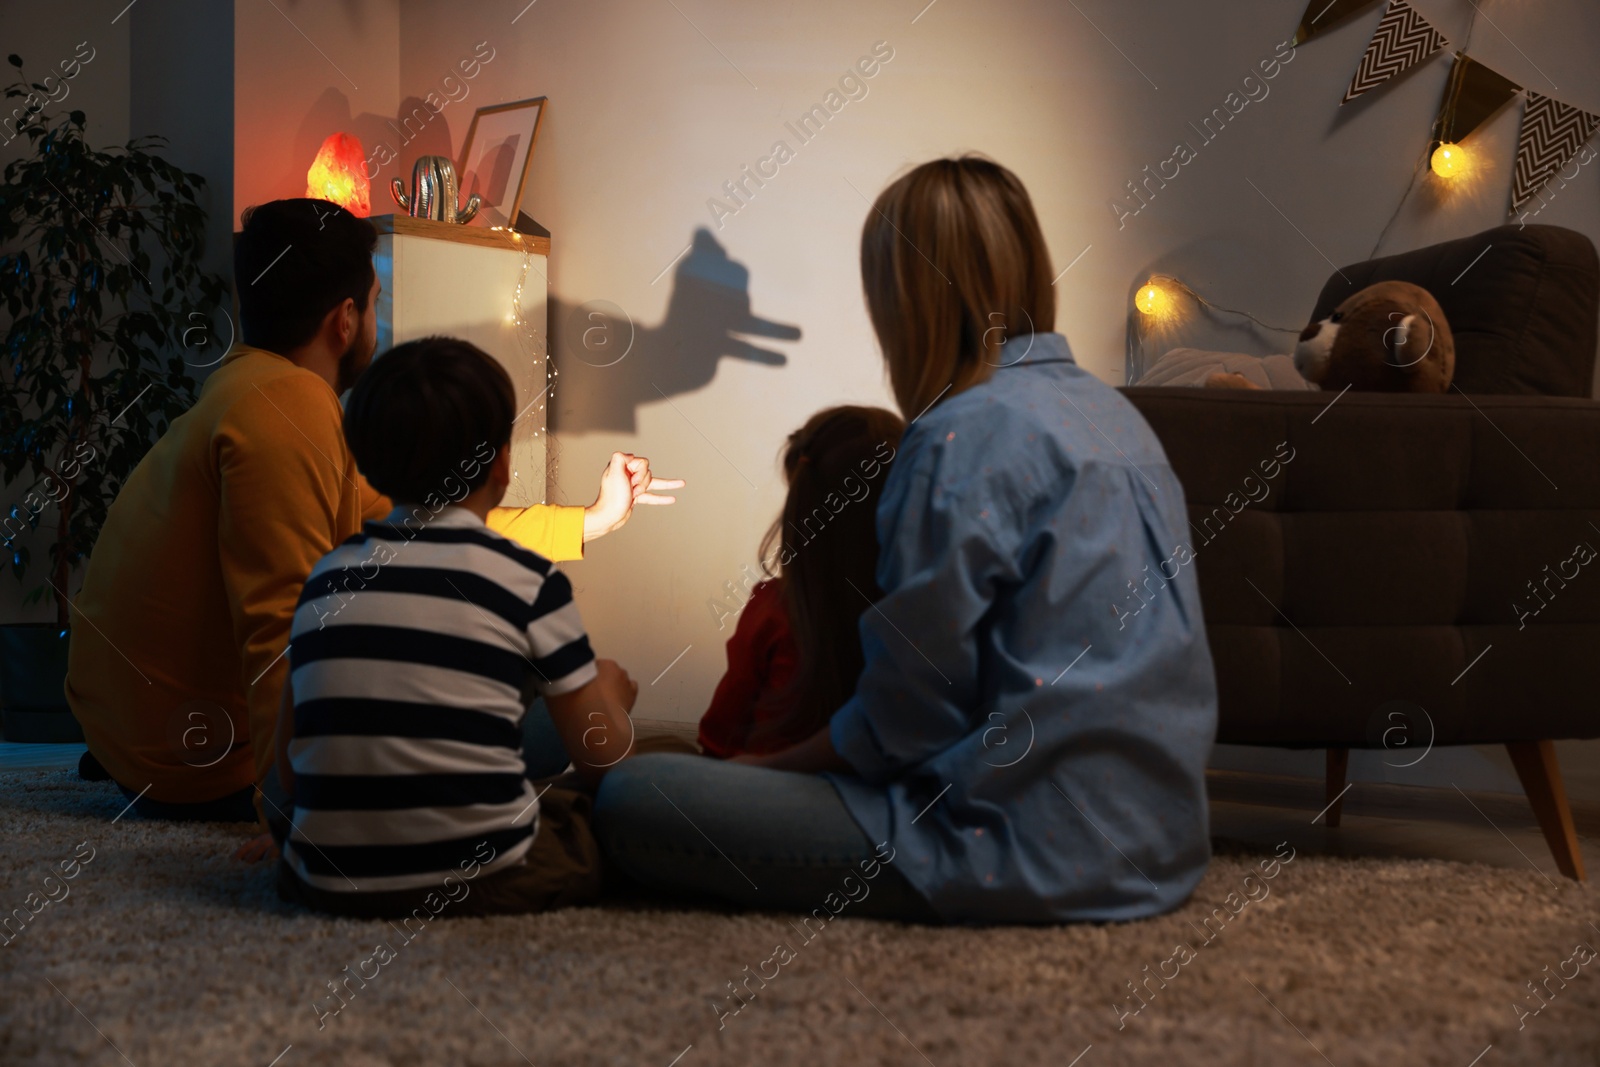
{"x":825,"y":546}
{"x":952,"y":261}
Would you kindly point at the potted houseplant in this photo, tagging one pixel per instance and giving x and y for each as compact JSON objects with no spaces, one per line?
{"x":103,"y":290}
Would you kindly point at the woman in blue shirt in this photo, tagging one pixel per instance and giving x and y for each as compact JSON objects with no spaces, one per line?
{"x":1028,"y":738}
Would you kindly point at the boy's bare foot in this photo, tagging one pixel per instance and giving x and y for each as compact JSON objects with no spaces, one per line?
{"x":258,"y":848}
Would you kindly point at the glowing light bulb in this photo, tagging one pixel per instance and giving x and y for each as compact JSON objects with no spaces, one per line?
{"x":1448,"y":161}
{"x":1152,"y":300}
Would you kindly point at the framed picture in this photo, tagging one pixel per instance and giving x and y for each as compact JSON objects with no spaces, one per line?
{"x":496,"y":156}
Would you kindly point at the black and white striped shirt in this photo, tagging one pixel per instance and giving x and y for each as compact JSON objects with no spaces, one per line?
{"x":414,"y":653}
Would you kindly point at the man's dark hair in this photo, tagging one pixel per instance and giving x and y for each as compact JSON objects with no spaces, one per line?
{"x":428,"y":418}
{"x":293,"y":262}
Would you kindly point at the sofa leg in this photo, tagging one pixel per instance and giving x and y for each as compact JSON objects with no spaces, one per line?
{"x":1338,"y":767}
{"x":1541,"y":780}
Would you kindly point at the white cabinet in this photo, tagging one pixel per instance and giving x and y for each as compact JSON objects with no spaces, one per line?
{"x":442,"y":278}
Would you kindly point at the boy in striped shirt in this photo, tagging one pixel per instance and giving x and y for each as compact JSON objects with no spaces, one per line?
{"x":416,"y":647}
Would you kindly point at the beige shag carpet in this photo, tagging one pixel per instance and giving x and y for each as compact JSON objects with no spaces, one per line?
{"x":164,"y":951}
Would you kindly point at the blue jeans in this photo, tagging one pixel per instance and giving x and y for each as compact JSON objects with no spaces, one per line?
{"x":704,"y":828}
{"x":542,"y":749}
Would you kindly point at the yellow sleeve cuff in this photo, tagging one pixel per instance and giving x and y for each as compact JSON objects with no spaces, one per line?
{"x":555,"y":532}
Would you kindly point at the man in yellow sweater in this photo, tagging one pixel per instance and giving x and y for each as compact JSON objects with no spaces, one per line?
{"x":176,"y":661}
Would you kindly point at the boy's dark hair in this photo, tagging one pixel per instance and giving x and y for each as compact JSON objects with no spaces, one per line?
{"x":428,"y":417}
{"x":293,"y":262}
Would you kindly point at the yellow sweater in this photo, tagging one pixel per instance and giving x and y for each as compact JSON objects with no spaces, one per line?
{"x":189,"y":594}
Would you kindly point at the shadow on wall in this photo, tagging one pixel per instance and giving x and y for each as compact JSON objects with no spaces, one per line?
{"x":612,"y":365}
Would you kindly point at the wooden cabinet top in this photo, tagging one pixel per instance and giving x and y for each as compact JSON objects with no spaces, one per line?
{"x":497,"y":237}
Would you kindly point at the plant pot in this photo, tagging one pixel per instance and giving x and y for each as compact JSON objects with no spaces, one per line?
{"x":33,"y":674}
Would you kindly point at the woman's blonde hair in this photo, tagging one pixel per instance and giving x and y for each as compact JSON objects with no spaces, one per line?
{"x":952,"y":261}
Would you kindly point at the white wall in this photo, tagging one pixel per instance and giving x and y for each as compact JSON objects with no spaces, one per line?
{"x":101,"y":88}
{"x":305,"y":69}
{"x":652,"y":112}
{"x":648,"y":118}
{"x":182,"y":89}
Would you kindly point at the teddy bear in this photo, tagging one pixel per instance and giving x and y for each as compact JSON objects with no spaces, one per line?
{"x":1390,"y":337}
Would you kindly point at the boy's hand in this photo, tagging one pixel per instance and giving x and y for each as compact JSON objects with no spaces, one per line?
{"x":257,"y":849}
{"x":626,"y":481}
{"x":593,"y":720}
{"x":615,"y":683}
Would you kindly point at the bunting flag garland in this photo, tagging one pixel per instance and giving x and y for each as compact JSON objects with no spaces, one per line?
{"x":1402,"y":40}
{"x":1473,"y":93}
{"x":1322,"y":14}
{"x":1552,"y":133}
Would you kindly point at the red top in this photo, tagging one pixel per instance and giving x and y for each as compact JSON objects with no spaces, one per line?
{"x":762,"y":662}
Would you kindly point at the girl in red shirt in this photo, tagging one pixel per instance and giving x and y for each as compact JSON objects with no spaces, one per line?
{"x":795,"y":655}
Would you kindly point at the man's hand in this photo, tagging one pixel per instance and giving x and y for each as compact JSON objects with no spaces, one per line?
{"x":257,"y":849}
{"x":625,"y":482}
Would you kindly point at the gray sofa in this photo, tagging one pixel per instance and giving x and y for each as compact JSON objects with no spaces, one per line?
{"x":1373,"y":562}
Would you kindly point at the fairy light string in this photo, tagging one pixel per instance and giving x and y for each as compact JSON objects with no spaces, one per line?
{"x":1168,"y":280}
{"x":1155,"y":308}
{"x":533,"y":335}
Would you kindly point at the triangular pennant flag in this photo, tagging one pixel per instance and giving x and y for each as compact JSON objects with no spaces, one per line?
{"x":1552,"y":133}
{"x":1473,"y":93}
{"x":1403,"y":39}
{"x":1321,"y":14}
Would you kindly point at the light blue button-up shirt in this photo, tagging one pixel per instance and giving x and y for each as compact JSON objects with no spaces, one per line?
{"x":1032,"y":725}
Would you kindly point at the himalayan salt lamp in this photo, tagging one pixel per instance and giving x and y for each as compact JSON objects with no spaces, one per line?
{"x":339,"y":174}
